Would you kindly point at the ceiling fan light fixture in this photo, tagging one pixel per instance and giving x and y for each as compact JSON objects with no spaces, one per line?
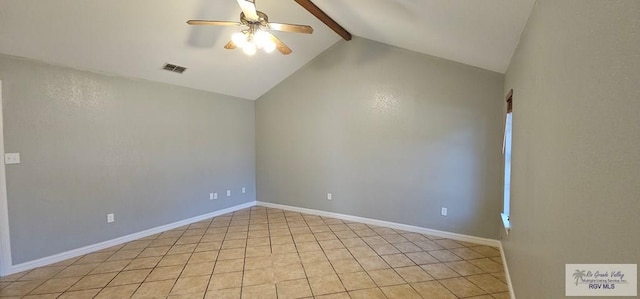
{"x":260,"y":38}
{"x":239,"y":38}
{"x":269,"y":47}
{"x":263,"y":41}
{"x":258,"y":34}
{"x":249,"y":42}
{"x":249,"y":49}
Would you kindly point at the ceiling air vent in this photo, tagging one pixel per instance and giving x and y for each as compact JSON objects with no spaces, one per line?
{"x":174,"y":68}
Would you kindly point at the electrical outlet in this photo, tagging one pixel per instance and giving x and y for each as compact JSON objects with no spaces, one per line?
{"x":12,"y":158}
{"x":329,"y":197}
{"x":244,"y":190}
{"x":210,"y":196}
{"x":215,"y":195}
{"x":443,"y":212}
{"x":110,"y":218}
{"x":228,"y":193}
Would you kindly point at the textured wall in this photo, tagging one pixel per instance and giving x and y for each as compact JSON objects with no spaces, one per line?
{"x":576,"y":134}
{"x":393,"y":134}
{"x":93,"y":144}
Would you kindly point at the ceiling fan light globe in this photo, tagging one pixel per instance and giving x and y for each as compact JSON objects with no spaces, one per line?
{"x":269,"y":47}
{"x":249,"y":49}
{"x":239,"y":39}
{"x":261,"y":38}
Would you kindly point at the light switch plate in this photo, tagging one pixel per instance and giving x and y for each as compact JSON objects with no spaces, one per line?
{"x":12,"y":158}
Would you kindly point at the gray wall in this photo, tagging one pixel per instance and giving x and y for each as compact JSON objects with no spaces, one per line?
{"x":576,"y":139}
{"x":392,"y":134}
{"x":93,"y":144}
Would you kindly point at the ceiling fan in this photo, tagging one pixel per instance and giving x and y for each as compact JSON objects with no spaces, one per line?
{"x":257,"y":36}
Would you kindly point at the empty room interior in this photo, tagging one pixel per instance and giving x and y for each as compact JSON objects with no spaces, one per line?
{"x":319,"y":149}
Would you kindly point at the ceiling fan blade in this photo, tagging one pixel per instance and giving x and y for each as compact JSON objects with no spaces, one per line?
{"x":213,"y":23}
{"x":291,"y":28}
{"x":249,"y":9}
{"x":280,"y":45}
{"x":230,"y":45}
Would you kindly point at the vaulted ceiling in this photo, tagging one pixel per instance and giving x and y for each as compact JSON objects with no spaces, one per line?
{"x":135,"y":38}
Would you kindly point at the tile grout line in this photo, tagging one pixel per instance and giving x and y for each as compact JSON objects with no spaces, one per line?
{"x":351,"y":254}
{"x":303,"y":267}
{"x":146,"y":276}
{"x":181,"y":271}
{"x":66,"y":267}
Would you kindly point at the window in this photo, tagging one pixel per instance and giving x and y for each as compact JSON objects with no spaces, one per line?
{"x":506,"y":150}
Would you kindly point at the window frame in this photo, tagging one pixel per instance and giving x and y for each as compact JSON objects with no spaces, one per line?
{"x":506,"y":147}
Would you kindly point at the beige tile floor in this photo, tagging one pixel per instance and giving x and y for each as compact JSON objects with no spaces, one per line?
{"x":270,"y":253}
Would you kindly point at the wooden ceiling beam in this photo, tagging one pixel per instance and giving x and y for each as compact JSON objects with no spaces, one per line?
{"x":322,"y":16}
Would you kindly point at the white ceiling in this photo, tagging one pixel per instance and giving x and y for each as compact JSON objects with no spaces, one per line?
{"x":135,"y":38}
{"x":482,"y":33}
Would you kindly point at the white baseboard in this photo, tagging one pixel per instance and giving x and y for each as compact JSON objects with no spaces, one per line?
{"x":394,"y":225}
{"x":117,"y":241}
{"x":512,"y":294}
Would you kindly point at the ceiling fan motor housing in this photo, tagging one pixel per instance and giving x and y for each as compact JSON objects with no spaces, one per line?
{"x":263,"y":19}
